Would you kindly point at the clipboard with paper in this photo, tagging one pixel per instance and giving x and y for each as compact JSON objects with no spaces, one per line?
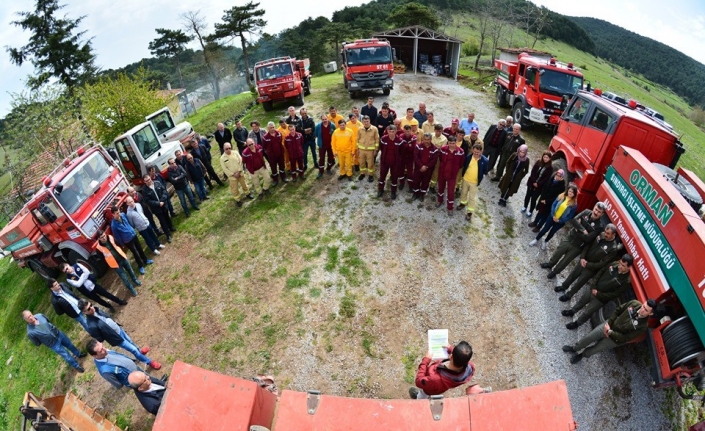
{"x":437,"y":342}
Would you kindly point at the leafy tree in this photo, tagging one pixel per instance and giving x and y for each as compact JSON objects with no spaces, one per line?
{"x":42,"y":121}
{"x":335,"y":33}
{"x":238,"y":21}
{"x":112,"y":106}
{"x":196,"y":26}
{"x":54,"y":49}
{"x":409,"y":14}
{"x":170,"y":44}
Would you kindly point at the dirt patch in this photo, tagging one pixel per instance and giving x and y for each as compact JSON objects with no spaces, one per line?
{"x":326,"y":287}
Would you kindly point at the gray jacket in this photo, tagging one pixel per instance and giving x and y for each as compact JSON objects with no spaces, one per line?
{"x":49,"y":336}
{"x":137,"y":218}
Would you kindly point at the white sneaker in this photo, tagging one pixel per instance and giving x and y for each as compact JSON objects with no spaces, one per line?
{"x":523,"y":209}
{"x":157,"y":252}
{"x":528,"y":215}
{"x":161,"y":246}
{"x":533,"y":243}
{"x":543,"y":245}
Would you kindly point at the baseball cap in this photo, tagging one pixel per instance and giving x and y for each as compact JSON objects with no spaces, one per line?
{"x":455,"y":121}
{"x":474,"y":129}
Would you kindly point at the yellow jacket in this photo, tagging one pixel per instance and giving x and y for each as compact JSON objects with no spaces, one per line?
{"x":439,"y":141}
{"x":335,"y":119}
{"x":231,"y":164}
{"x":343,"y":141}
{"x":354,"y":127}
{"x":368,"y":139}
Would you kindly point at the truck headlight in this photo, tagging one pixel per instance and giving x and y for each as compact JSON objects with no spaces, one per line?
{"x":389,"y":82}
{"x":353,"y":84}
{"x":90,"y":227}
{"x":291,"y":85}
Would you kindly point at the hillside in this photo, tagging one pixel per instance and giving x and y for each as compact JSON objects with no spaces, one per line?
{"x":656,"y":61}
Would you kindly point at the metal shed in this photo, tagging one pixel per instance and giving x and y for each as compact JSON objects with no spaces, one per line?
{"x":410,"y":42}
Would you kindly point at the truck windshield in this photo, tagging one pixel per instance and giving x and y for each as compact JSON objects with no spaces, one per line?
{"x":559,"y":83}
{"x":273,"y":71}
{"x":368,"y":55}
{"x":82,"y":182}
{"x":146,"y":141}
{"x":162,"y":122}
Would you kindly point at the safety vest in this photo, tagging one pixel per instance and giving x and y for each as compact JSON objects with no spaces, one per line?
{"x":109,"y":258}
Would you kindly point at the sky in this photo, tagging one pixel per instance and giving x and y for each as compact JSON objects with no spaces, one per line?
{"x":122,"y":30}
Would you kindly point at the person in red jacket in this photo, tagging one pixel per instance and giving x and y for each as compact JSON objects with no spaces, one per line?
{"x":272,"y":144}
{"x":253,"y":159}
{"x":294,"y":143}
{"x":452,"y":159}
{"x":425,"y":158}
{"x":390,"y":161}
{"x":406,"y":170}
{"x":436,"y":377}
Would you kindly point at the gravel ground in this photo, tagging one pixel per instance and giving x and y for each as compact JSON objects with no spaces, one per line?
{"x":479,"y":280}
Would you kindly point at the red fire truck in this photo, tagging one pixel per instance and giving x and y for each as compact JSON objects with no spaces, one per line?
{"x":61,"y":221}
{"x":653,"y":208}
{"x":367,"y":66}
{"x":282,"y":78}
{"x":535,"y":87}
{"x":590,"y":131}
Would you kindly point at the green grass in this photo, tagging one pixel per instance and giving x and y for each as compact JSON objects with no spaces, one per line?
{"x":220,"y":111}
{"x":23,"y":366}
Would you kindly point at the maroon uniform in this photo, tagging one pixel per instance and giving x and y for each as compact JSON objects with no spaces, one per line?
{"x":295,"y":147}
{"x":424,"y":156}
{"x":448,"y":131}
{"x":390,"y":161}
{"x":406,"y":171}
{"x":272,"y":144}
{"x":451,"y":163}
{"x":253,"y":160}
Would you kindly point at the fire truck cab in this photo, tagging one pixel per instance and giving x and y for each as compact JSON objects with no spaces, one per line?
{"x":590,"y":131}
{"x":166,"y":128}
{"x":60,"y":222}
{"x":535,"y":87}
{"x":367,"y":66}
{"x":140,"y":147}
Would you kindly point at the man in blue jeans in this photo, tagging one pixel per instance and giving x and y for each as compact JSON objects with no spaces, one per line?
{"x":137,"y":219}
{"x":195,"y":169}
{"x":41,"y":331}
{"x":103,"y":328}
{"x":179,"y":179}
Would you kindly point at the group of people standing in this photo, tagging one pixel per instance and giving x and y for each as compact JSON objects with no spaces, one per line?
{"x":413,"y":150}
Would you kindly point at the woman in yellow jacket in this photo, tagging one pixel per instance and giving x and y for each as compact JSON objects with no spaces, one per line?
{"x":344,"y":147}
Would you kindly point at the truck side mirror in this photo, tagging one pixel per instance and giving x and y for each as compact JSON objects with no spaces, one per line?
{"x":564,"y":102}
{"x":113,"y":154}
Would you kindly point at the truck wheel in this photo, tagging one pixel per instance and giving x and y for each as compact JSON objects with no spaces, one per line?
{"x":94,"y":265}
{"x":682,"y":344}
{"x":682,"y":185}
{"x":386,"y":91}
{"x":501,"y":97}
{"x":353,"y":94}
{"x":42,"y":270}
{"x":267,"y":106}
{"x":307,"y":88}
{"x":299,"y":99}
{"x":345,"y":82}
{"x":518,"y":113}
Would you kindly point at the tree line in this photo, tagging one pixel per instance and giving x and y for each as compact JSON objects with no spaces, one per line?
{"x":654,"y":60}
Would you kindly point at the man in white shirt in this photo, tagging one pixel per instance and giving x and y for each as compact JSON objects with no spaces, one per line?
{"x":81,"y":278}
